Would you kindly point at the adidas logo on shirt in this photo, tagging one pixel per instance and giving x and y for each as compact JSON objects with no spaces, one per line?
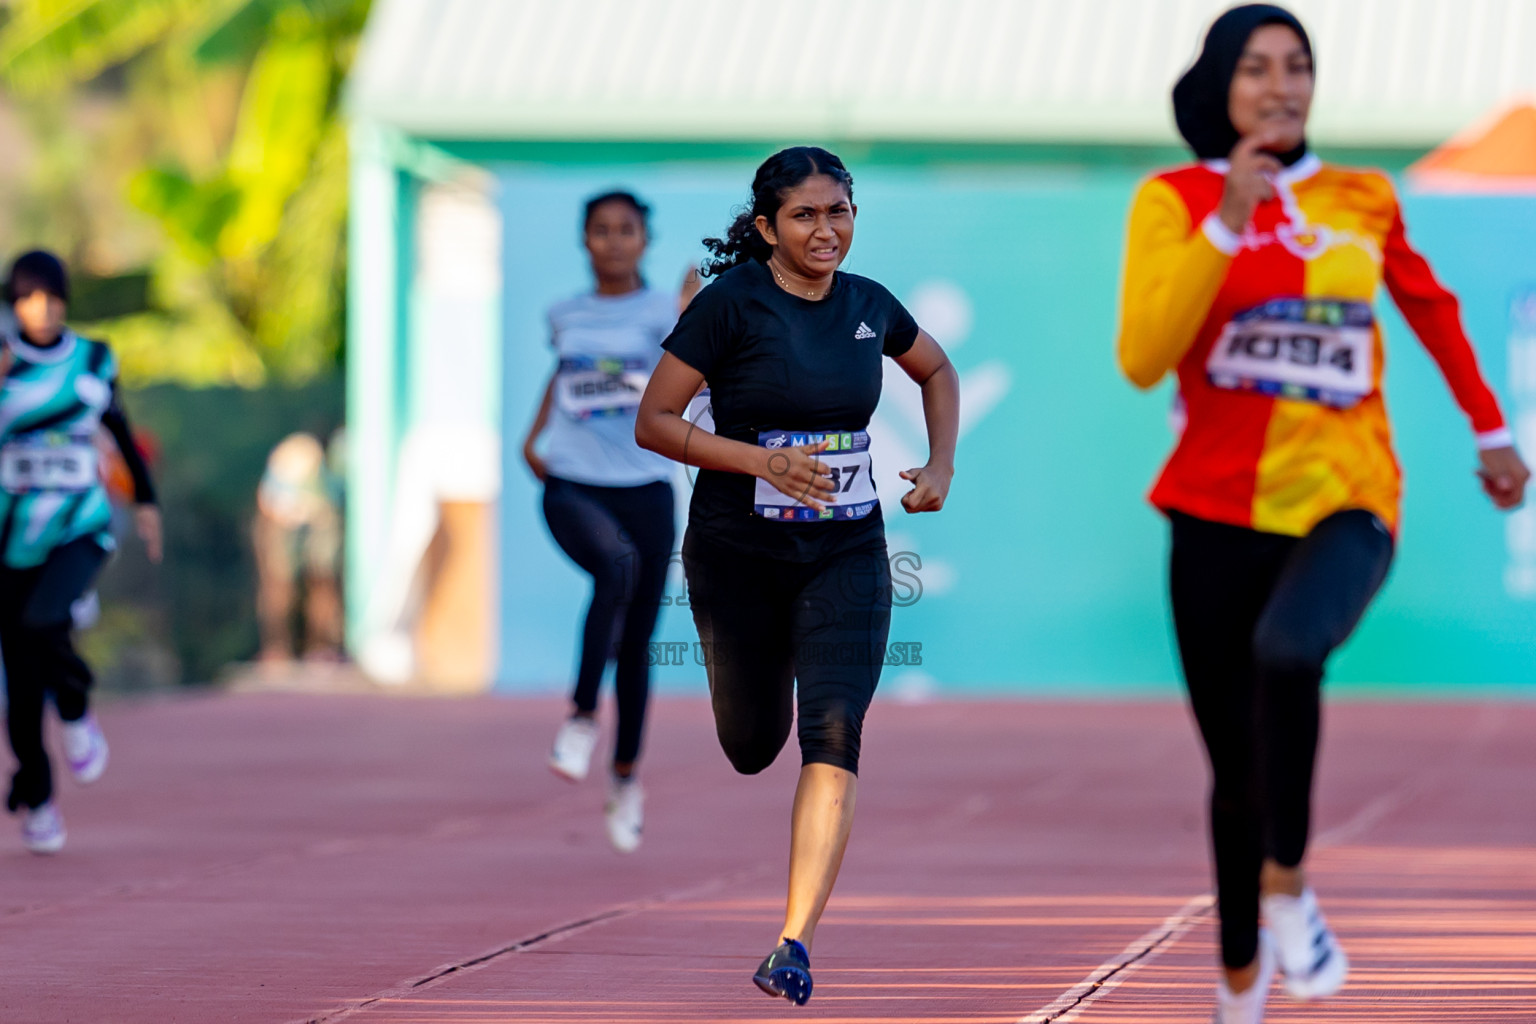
{"x":863,"y":332}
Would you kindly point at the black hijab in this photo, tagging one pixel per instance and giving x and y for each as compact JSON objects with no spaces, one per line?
{"x":1200,"y":99}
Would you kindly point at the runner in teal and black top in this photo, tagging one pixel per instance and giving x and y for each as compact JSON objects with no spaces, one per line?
{"x":57,"y":390}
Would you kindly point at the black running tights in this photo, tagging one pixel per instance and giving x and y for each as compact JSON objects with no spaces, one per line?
{"x":35,"y":626}
{"x":622,"y":537}
{"x":774,"y":634}
{"x":1257,"y":615}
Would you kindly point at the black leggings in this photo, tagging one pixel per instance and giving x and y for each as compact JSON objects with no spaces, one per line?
{"x":622,"y":537}
{"x":766,"y":624}
{"x":1257,"y":615}
{"x":35,"y":626}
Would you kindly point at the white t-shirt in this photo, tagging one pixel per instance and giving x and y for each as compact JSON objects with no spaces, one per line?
{"x":608,"y":345}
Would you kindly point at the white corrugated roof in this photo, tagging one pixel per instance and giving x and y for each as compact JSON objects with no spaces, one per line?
{"x":1393,"y":72}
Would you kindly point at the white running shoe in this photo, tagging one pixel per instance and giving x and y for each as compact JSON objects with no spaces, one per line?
{"x":625,"y":813}
{"x":1311,"y":959}
{"x":42,"y":828}
{"x":1247,"y":1007}
{"x":574,"y":743}
{"x":85,"y":748}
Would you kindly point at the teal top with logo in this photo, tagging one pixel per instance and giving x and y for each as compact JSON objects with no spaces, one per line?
{"x":51,"y":406}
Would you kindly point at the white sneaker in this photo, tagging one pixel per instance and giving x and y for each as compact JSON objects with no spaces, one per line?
{"x":574,"y":743}
{"x":625,"y":813}
{"x":1247,"y":1007}
{"x":42,"y":829}
{"x":85,"y":748}
{"x":1311,"y":959}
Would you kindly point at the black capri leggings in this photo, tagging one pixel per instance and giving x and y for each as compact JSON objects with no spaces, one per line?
{"x":1257,"y":615}
{"x":766,"y":625}
{"x":40,"y":658}
{"x":622,"y":537}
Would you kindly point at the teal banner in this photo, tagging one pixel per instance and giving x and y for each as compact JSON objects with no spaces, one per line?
{"x":1045,"y":573}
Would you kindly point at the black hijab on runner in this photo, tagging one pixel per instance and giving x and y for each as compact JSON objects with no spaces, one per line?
{"x":1200,"y":97}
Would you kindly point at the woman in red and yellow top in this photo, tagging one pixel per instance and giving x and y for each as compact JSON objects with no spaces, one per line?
{"x":1251,"y":274}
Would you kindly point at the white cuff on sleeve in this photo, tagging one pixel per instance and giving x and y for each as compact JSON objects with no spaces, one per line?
{"x":1221,"y":236}
{"x":1501,"y":438}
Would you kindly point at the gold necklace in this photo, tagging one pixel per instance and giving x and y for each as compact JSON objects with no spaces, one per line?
{"x":785,"y":284}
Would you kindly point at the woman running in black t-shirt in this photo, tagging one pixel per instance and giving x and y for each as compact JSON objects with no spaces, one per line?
{"x":785,"y":553}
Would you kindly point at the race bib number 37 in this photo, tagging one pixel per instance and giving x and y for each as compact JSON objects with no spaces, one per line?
{"x":1310,"y":350}
{"x":47,"y":464}
{"x":847,"y":459}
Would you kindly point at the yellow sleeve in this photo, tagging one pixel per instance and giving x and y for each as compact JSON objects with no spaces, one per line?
{"x":1173,"y":270}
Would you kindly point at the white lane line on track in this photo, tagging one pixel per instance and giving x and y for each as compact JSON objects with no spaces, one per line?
{"x":961,"y":813}
{"x":1113,"y":972}
{"x":552,"y":934}
{"x":1108,"y":976}
{"x":1487,"y":724}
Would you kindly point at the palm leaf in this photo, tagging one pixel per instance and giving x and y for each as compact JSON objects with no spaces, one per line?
{"x":51,"y":43}
{"x":240,"y":34}
{"x":193,"y":215}
{"x":283,"y":116}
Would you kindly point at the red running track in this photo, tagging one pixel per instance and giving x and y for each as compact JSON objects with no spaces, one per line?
{"x":285,"y":858}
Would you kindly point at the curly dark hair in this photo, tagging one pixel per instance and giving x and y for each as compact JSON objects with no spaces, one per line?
{"x":779,"y":174}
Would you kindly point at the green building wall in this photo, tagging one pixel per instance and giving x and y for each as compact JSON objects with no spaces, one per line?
{"x":1045,"y":573}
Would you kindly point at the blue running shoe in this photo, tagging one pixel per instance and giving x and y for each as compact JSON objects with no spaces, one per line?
{"x":787,"y":973}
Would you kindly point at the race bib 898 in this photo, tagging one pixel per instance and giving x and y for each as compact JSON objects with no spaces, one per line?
{"x":847,"y":459}
{"x":1310,"y":350}
{"x":47,"y":462}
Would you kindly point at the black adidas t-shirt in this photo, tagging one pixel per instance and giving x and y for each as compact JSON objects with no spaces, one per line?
{"x":775,"y":361}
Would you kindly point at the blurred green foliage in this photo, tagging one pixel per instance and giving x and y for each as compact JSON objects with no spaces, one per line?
{"x":219,"y":122}
{"x":188,"y":159}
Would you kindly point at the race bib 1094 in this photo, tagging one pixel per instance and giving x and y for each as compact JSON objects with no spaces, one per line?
{"x":587,"y":387}
{"x":1310,"y":350}
{"x":47,"y":462}
{"x":847,"y":459}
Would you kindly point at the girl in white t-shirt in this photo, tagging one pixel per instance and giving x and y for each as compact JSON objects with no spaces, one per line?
{"x":608,"y":503}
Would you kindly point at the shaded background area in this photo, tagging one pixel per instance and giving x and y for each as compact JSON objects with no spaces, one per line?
{"x":188,"y":160}
{"x":188,"y":619}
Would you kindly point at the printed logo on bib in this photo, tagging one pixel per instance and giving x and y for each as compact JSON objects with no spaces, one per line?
{"x":847,"y":459}
{"x":586,"y":387}
{"x":1309,"y":350}
{"x":47,"y":462}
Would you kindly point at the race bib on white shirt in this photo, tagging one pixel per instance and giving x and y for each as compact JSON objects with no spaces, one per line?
{"x":1310,"y":350}
{"x":587,"y":387}
{"x":47,"y":462}
{"x":847,"y":460}
{"x":701,"y":412}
